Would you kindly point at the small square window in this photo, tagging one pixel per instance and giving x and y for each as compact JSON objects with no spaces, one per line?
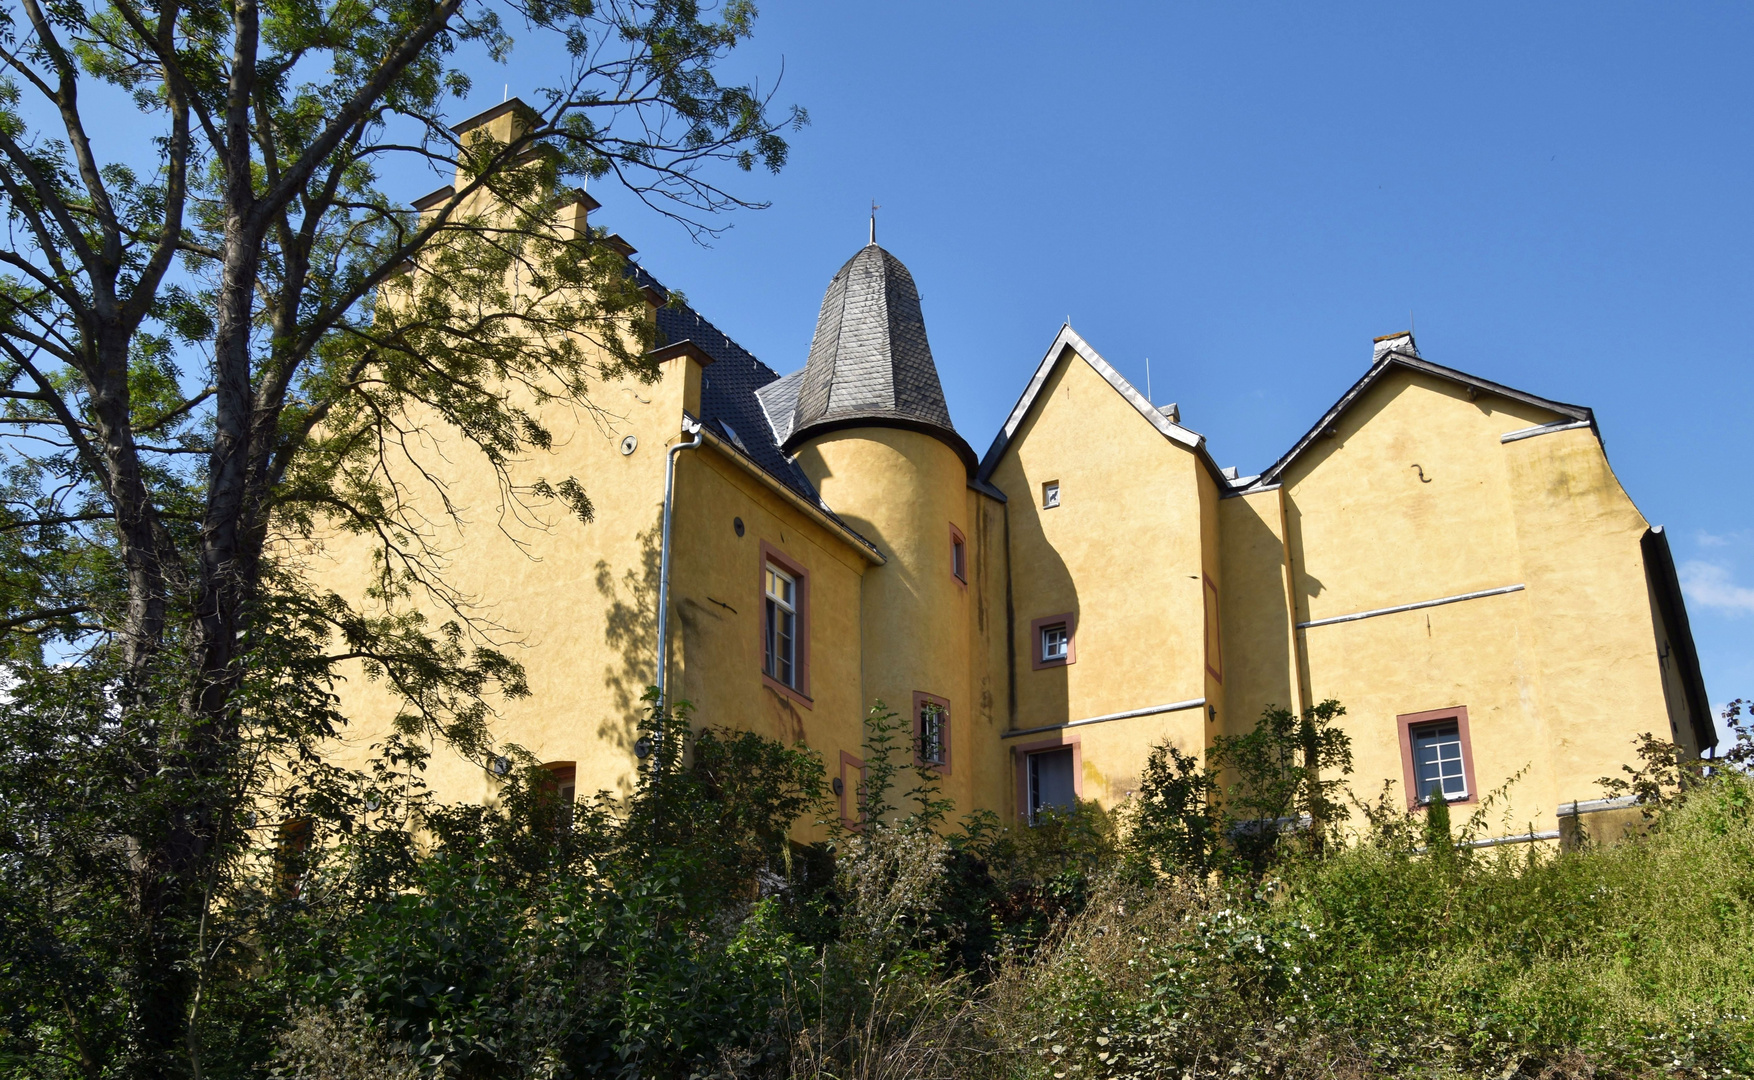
{"x":1053,"y":640}
{"x":1437,"y":760}
{"x":1050,"y":495}
{"x":1056,"y":641}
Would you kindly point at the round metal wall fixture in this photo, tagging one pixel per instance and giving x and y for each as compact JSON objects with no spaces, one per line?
{"x":629,"y":445}
{"x":502,"y":765}
{"x":642,"y":748}
{"x":839,"y":785}
{"x":737,"y":525}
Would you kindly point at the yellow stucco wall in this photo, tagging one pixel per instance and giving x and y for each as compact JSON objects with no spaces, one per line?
{"x":1555,"y":677}
{"x":561,"y":591}
{"x":903,"y":490}
{"x":1136,"y":588}
{"x":716,"y":601}
{"x":577,"y":601}
{"x":1592,"y":622}
{"x":1259,"y":644}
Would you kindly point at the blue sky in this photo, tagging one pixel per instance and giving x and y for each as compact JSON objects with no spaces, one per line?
{"x":1557,"y":195}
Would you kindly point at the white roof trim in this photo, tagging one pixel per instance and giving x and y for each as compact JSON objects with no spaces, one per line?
{"x":1541,"y":429}
{"x":1069,"y":338}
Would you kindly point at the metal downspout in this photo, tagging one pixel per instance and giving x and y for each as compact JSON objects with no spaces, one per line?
{"x":691,"y":427}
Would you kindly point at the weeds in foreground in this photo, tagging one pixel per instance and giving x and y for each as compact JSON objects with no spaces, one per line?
{"x":681,"y":935}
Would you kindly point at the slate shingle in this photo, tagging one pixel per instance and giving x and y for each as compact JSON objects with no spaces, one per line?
{"x":731,"y":394}
{"x":870,"y":360}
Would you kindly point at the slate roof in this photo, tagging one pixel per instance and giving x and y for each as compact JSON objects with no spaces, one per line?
{"x":731,"y":393}
{"x":870,"y":364}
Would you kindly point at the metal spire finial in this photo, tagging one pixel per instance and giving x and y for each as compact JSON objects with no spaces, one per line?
{"x":874,"y":209}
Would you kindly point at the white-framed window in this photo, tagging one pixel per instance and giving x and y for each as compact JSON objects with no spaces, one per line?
{"x":780,"y":644}
{"x":1056,"y":641}
{"x":1050,"y":495}
{"x":1437,"y":760}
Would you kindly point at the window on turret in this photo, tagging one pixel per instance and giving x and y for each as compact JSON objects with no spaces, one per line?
{"x":780,"y":653}
{"x":958,"y":554}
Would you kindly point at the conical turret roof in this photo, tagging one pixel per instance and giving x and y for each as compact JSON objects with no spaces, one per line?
{"x":870,"y":364}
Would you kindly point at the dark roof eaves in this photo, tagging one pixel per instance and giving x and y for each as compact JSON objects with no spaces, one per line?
{"x":843,"y":421}
{"x":987,"y":489}
{"x":811,"y":507}
{"x":1273,"y":473}
{"x":1674,"y":609}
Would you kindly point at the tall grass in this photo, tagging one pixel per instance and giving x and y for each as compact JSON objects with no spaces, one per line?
{"x":1632,"y":959}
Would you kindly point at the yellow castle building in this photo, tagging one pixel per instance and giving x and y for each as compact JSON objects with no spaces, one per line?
{"x":1451,"y":558}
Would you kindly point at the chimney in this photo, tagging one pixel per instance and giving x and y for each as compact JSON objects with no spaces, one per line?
{"x":1400,"y":343}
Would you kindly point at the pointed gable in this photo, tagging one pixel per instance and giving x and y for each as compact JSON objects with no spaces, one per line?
{"x":1069,"y":344}
{"x":1397,"y":352}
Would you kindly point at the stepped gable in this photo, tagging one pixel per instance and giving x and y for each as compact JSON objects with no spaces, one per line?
{"x":870,"y":364}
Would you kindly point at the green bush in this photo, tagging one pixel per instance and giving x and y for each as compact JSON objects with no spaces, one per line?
{"x":1632,"y":959}
{"x":1219,"y":925}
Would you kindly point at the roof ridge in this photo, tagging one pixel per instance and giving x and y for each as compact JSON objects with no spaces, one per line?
{"x":1420,"y":364}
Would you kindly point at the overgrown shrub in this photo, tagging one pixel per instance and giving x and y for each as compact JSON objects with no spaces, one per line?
{"x":1217,"y":926}
{"x":1627,"y":960}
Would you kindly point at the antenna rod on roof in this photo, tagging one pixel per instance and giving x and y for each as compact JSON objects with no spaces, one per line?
{"x":1149,"y":400}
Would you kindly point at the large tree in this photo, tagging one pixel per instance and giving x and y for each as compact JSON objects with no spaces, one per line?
{"x":223,"y":343}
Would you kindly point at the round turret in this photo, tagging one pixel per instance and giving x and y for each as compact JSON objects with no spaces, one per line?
{"x":872,"y":432}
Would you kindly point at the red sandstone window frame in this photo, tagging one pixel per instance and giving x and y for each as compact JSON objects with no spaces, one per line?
{"x":1036,"y":626}
{"x":1406,"y":722}
{"x":561,"y":774}
{"x":1214,"y":631}
{"x":851,"y":792}
{"x":1020,"y":764}
{"x":921,"y":700}
{"x":958,"y":555}
{"x":773,"y":556}
{"x":292,"y":841}
{"x":563,"y":782}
